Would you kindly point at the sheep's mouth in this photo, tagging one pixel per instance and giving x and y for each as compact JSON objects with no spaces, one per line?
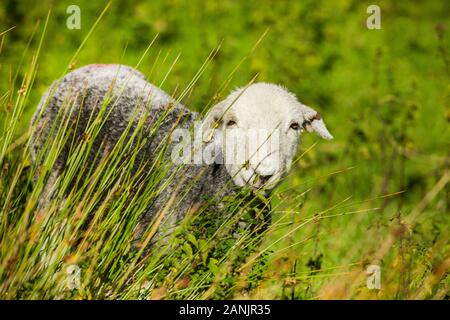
{"x":256,"y":184}
{"x":260,"y":191}
{"x":265,"y":183}
{"x":251,"y":181}
{"x":262,"y":187}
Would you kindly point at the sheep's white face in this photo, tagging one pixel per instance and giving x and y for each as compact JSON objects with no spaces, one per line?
{"x":258,"y":129}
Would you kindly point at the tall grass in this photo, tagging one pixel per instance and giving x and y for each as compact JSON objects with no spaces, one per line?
{"x":87,"y":214}
{"x":50,"y":223}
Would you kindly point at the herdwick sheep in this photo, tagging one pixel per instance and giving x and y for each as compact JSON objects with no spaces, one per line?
{"x":245,"y":121}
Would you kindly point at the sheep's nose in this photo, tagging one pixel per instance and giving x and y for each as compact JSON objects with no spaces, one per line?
{"x":265,"y":172}
{"x":265,"y":178}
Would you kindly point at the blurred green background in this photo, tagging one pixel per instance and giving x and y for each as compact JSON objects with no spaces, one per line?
{"x":384,"y":94}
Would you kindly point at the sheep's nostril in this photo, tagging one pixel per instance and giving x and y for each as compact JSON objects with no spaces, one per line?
{"x":264,"y":179}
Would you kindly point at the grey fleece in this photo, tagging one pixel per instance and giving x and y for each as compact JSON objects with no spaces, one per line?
{"x":83,"y":91}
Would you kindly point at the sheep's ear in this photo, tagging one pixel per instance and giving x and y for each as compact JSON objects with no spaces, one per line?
{"x":212,"y":122}
{"x":313,"y":123}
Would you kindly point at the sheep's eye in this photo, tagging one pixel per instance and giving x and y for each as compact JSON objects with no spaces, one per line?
{"x":295,"y":126}
{"x":231,"y":123}
{"x":216,"y":123}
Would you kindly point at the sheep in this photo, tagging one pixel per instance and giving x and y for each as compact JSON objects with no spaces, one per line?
{"x":226,"y":130}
